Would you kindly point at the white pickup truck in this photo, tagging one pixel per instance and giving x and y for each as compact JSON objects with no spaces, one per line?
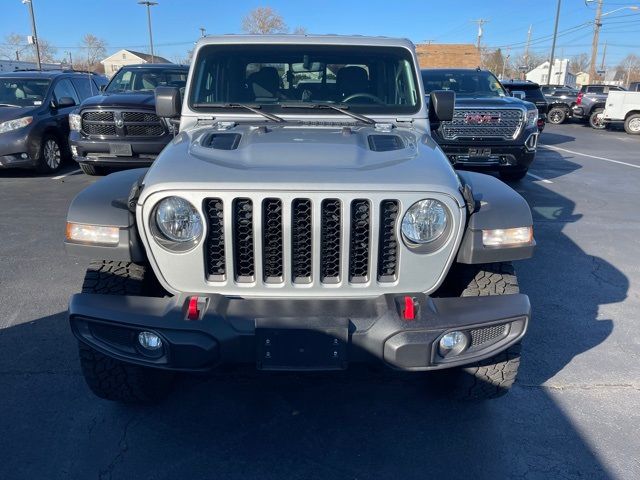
{"x":623,"y":106}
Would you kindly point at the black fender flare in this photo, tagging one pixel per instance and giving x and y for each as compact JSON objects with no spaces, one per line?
{"x":495,"y":206}
{"x":106,"y":202}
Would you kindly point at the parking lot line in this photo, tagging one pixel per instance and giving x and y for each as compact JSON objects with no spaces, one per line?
{"x":543,"y":180}
{"x":550,"y":147}
{"x":66,"y":174}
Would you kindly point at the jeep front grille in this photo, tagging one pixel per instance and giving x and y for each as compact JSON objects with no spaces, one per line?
{"x":275,"y":241}
{"x":488,"y":123}
{"x":116,"y":123}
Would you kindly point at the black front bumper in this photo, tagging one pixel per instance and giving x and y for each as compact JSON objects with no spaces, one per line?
{"x":308,"y":334}
{"x":489,"y":156}
{"x":96,"y":151}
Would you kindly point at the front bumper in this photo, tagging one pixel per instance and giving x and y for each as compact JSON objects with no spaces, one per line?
{"x":17,"y":149}
{"x":578,"y":112}
{"x":287,"y":334}
{"x":98,"y":151}
{"x":491,"y":156}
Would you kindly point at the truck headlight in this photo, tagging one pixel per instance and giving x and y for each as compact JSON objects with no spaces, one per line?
{"x":532,"y":118}
{"x":75,"y":122}
{"x":425,"y":221}
{"x":10,"y":125}
{"x":178,"y":221}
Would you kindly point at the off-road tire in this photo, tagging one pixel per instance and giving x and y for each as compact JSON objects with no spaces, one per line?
{"x":557,"y":115}
{"x":107,"y":377}
{"x":91,"y":169}
{"x":632,"y":124}
{"x":513,"y":175}
{"x":492,"y":377}
{"x":593,"y":119}
{"x":49,"y":160}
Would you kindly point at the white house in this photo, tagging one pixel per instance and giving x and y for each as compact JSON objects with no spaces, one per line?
{"x":128,"y":57}
{"x":560,"y":74}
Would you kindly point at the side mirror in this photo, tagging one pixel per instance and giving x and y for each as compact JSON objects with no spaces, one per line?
{"x":168,"y":102}
{"x":442,"y":105}
{"x":519,"y":94}
{"x":63,"y":102}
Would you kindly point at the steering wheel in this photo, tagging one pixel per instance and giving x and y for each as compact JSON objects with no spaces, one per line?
{"x":363,"y":95}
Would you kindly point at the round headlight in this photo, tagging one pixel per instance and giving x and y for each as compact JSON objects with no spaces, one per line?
{"x":425,"y":221}
{"x":178,"y":220}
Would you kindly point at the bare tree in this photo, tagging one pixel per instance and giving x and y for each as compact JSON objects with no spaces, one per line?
{"x":15,"y":46}
{"x":493,"y":60}
{"x":94,"y":49}
{"x":300,"y":30}
{"x":263,"y":20}
{"x":629,"y":68}
{"x":579,"y":63}
{"x":47,"y":52}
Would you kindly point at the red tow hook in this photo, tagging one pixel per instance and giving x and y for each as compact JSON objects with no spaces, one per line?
{"x":409,"y":310}
{"x":195,"y":307}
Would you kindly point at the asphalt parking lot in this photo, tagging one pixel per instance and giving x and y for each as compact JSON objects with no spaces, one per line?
{"x":574,"y":412}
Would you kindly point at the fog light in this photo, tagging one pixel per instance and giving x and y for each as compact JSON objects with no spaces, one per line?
{"x":24,"y":156}
{"x":453,"y":343}
{"x":74,"y":150}
{"x":149,"y":341}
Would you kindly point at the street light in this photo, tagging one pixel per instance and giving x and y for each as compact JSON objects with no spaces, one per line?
{"x":33,"y":31}
{"x":149,"y":5}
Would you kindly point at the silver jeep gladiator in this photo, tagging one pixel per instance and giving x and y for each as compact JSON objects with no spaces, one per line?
{"x":302,"y":219}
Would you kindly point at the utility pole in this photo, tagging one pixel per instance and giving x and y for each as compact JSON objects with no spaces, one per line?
{"x":149,"y":5}
{"x":203,"y":32}
{"x":34,"y":32}
{"x":70,"y":60}
{"x":480,"y":22}
{"x":553,"y":44}
{"x":604,"y":55}
{"x":526,"y":48}
{"x":594,"y":46}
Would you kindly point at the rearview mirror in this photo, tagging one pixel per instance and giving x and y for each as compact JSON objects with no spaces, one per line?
{"x":168,"y":102}
{"x":519,"y":94}
{"x":442,"y":105}
{"x":64,"y":102}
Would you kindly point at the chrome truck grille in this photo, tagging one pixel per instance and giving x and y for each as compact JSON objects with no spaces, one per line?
{"x":117,"y":123}
{"x":300,"y":242}
{"x":499,"y":123}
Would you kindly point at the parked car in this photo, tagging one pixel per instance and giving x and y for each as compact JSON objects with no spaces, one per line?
{"x":533,"y":94}
{"x":491,"y":130}
{"x":634,"y":87}
{"x":34,"y":106}
{"x":550,"y":89}
{"x":299,"y":230}
{"x":590,"y":104}
{"x":561,"y":102}
{"x":119,"y":128}
{"x":623,"y":107}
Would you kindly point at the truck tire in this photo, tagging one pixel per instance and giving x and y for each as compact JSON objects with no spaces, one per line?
{"x":632,"y":124}
{"x":91,"y":169}
{"x":492,"y":377}
{"x":595,"y":119}
{"x":107,"y":377}
{"x":513,"y":175}
{"x":557,"y":115}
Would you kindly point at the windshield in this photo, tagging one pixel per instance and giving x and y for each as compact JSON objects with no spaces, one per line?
{"x":146,"y":79}
{"x":466,"y":84}
{"x":23,"y":92}
{"x":363,"y":79}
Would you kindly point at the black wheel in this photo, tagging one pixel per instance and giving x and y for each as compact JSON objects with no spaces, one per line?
{"x":596,"y":120}
{"x":50,"y":155}
{"x":557,"y":115}
{"x":107,"y":377}
{"x":494,"y":376}
{"x":632,"y":124}
{"x":91,"y":169}
{"x":513,"y":175}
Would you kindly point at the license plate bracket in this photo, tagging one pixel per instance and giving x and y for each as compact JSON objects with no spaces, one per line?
{"x":301,"y":344}
{"x":480,"y":152}
{"x":120,"y":149}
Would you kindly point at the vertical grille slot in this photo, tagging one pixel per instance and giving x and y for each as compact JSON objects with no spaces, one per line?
{"x":359,"y":247}
{"x":301,"y":243}
{"x":214,"y":246}
{"x":243,"y":253}
{"x":272,"y":244}
{"x":330,"y":250}
{"x":388,"y":244}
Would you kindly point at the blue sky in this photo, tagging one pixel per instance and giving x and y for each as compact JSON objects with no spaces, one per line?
{"x":122,"y":23}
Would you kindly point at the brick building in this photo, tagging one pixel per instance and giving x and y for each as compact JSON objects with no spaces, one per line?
{"x":442,"y":55}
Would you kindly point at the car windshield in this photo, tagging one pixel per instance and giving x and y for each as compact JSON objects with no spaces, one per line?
{"x":466,"y":84}
{"x":146,"y":79}
{"x":363,"y":79}
{"x":23,"y":92}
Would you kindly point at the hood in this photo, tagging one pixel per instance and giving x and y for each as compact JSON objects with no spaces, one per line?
{"x":299,"y":158}
{"x":11,"y":113}
{"x":133,"y":99}
{"x":496,"y":102}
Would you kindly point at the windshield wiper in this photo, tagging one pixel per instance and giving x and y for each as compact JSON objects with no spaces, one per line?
{"x":251,"y":108}
{"x":328,"y":106}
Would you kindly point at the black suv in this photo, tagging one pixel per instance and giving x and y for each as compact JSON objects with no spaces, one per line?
{"x":532,"y":93}
{"x":120,"y":127}
{"x":490,"y":130}
{"x":34,"y":106}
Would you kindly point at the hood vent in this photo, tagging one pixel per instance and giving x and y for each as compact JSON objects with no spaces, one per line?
{"x":222,"y":141}
{"x":385,"y":143}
